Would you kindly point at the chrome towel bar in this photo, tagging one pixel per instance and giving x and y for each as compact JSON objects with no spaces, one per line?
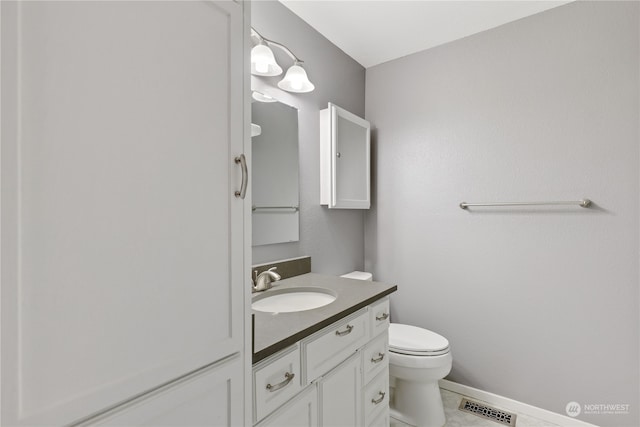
{"x":259,"y":208}
{"x":584,"y":203}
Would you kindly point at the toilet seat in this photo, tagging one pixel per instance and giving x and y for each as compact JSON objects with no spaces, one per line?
{"x":415,"y":341}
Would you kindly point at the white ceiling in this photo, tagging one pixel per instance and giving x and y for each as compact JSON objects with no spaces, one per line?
{"x":373,"y":32}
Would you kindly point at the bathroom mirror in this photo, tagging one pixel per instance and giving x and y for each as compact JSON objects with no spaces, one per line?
{"x":274,"y":167}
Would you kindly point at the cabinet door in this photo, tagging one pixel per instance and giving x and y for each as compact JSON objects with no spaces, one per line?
{"x":345,"y":159}
{"x":341,"y":395}
{"x":382,"y":420}
{"x":122,"y":241}
{"x":212,"y":397}
{"x":302,"y":411}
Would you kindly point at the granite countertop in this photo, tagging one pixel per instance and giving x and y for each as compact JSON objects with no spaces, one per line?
{"x":273,"y":332}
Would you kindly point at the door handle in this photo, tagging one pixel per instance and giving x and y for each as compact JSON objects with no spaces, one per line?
{"x":288,"y":376}
{"x":345,"y":332}
{"x":242,"y":160}
{"x":377,"y":359}
{"x":380,"y":399}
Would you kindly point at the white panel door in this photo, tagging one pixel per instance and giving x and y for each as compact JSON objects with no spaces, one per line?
{"x":209,"y":398}
{"x":350,"y":160}
{"x":341,"y":395}
{"x":122,"y":240}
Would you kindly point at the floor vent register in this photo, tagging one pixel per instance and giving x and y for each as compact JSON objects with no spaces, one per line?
{"x":488,"y":412}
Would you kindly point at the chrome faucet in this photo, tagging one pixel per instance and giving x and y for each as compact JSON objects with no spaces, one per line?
{"x":263,"y":281}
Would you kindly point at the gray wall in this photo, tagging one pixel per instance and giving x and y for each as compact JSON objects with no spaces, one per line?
{"x":333,"y":238}
{"x":540,"y":305}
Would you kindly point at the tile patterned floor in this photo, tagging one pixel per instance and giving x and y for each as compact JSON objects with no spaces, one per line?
{"x":457,"y":418}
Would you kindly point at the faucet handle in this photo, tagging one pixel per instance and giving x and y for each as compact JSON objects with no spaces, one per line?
{"x":274,"y":276}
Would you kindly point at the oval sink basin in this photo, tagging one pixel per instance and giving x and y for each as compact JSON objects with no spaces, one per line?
{"x":293,"y":299}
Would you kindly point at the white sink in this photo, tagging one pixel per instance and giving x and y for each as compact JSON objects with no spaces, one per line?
{"x":292,"y":299}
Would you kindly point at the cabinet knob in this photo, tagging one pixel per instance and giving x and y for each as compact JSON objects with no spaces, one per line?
{"x":338,"y":154}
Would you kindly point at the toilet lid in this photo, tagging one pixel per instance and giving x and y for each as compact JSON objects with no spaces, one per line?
{"x":407,"y":339}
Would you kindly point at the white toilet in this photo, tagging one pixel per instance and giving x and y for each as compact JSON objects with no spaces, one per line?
{"x":418,"y":359}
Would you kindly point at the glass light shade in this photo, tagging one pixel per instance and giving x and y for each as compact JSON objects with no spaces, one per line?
{"x":258,"y":96}
{"x":263,"y":63}
{"x":296,"y":80}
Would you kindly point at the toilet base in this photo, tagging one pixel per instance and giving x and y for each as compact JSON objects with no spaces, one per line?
{"x":418,"y":404}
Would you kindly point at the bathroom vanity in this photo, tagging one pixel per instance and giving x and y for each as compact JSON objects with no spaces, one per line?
{"x":325,"y":366}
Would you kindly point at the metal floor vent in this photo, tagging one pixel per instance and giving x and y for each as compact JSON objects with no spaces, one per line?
{"x":486,"y":411}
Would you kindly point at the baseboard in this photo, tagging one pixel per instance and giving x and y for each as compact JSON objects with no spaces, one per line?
{"x":513,"y":405}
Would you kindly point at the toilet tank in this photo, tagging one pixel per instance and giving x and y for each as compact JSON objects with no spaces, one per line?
{"x":358,"y":275}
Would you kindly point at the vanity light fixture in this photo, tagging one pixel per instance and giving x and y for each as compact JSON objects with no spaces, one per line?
{"x":263,"y":63}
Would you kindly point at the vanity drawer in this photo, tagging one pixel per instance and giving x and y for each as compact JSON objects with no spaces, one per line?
{"x":376,"y":396}
{"x":275,"y":381}
{"x":379,"y":313}
{"x":325,"y":350}
{"x":376,"y":357}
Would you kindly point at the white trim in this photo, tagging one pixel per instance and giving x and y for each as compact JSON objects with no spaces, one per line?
{"x":513,"y":405}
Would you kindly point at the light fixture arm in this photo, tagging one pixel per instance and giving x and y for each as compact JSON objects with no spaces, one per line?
{"x":274,"y":43}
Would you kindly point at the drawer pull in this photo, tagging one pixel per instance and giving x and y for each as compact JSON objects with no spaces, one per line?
{"x":380,"y":399}
{"x":377,"y":359}
{"x":384,"y":316}
{"x":288,"y":377}
{"x":346,"y":332}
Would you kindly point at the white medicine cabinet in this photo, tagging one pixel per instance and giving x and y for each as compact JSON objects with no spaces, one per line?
{"x":345,"y":159}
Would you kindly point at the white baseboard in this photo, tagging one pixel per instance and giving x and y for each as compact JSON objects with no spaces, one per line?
{"x":513,"y":405}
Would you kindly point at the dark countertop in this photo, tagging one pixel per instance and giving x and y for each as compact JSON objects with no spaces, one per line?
{"x":273,"y":332}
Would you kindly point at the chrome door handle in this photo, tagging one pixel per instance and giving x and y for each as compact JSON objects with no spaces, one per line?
{"x":242,"y":160}
{"x":288,"y":376}
{"x":343,"y":333}
{"x":384,"y":316}
{"x":377,"y":359}
{"x":380,"y":399}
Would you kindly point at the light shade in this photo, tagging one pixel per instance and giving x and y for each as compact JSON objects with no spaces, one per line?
{"x":255,"y":130}
{"x":258,"y":96}
{"x":263,"y":62}
{"x":296,"y":80}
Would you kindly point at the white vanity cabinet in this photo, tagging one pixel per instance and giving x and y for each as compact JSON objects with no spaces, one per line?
{"x":345,"y":159}
{"x":347,"y":366}
{"x":125,"y":250}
